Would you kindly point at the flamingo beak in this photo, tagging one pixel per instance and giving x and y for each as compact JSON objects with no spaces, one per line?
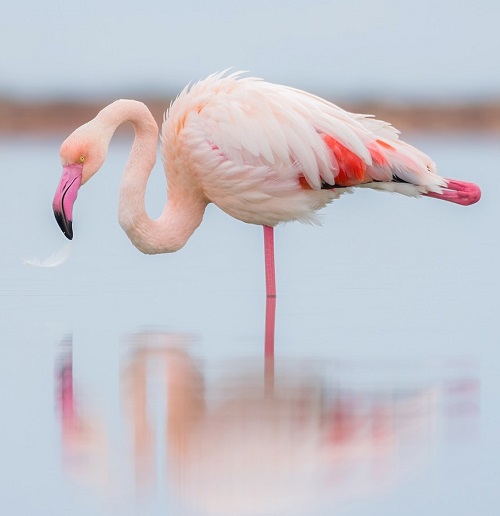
{"x":65,"y":197}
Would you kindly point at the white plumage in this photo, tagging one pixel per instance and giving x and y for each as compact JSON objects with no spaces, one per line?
{"x":247,"y":142}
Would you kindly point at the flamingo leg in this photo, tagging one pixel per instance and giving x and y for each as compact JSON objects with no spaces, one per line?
{"x":270,"y":297}
{"x":269,"y":260}
{"x":269,"y":375}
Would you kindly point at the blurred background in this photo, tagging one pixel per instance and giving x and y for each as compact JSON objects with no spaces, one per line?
{"x":427,"y":64}
{"x":121,"y":374}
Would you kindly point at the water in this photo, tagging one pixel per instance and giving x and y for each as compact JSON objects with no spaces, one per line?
{"x":137,"y":385}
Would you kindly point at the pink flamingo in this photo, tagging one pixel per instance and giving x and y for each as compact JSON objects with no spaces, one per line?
{"x":261,"y":152}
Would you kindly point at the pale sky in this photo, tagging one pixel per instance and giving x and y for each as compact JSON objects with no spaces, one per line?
{"x":390,"y":48}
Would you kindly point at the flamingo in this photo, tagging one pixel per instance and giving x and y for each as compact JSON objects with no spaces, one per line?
{"x":263,"y":153}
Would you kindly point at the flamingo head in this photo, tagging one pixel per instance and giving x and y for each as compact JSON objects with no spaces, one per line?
{"x":82,"y":155}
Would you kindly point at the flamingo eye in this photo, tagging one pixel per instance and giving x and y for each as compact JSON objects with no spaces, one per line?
{"x":81,"y":159}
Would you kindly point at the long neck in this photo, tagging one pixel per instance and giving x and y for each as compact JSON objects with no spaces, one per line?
{"x":184,"y":210}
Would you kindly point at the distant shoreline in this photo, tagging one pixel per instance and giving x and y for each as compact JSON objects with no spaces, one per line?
{"x":60,"y":117}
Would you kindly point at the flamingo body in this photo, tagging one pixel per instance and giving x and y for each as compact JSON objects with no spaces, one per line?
{"x":261,"y":152}
{"x":267,"y":154}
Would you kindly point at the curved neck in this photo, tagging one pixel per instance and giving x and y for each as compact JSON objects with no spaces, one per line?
{"x":182,"y":213}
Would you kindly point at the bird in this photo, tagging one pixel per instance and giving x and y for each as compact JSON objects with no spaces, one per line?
{"x":263,"y":153}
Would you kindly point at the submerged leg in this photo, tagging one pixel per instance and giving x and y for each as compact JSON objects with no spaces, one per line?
{"x":270,"y":324}
{"x":269,"y":346}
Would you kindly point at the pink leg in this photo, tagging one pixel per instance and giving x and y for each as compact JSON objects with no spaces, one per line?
{"x":270,"y":295}
{"x":269,"y":374}
{"x":270,"y":318}
{"x":269,"y":258}
{"x":269,"y":346}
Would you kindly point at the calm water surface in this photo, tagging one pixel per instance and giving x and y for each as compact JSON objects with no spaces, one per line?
{"x":137,"y":385}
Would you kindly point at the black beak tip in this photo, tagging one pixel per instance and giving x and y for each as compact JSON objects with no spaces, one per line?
{"x":65,"y":225}
{"x":69,"y":232}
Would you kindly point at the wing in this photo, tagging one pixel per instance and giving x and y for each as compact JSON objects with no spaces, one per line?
{"x":252,"y":122}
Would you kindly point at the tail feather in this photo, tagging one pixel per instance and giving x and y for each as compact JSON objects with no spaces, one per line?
{"x":395,"y":166}
{"x":397,"y":160}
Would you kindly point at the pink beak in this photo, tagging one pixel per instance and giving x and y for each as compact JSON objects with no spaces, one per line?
{"x":65,"y":197}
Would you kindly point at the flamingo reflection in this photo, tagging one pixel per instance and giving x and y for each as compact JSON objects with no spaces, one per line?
{"x":236,"y":441}
{"x":84,"y":437}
